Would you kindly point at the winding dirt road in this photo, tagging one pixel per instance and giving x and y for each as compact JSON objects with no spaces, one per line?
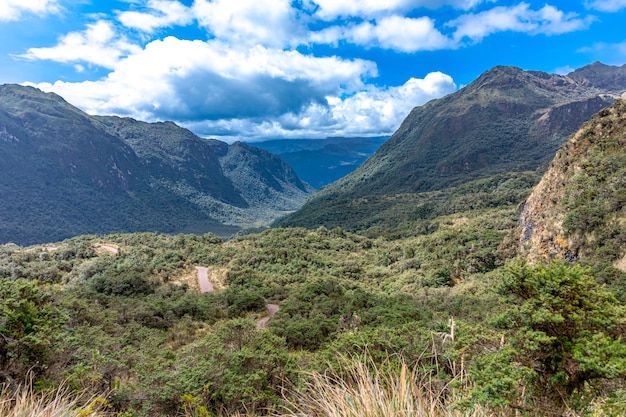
{"x":272,"y":309}
{"x":203,"y":280}
{"x":207,"y":286}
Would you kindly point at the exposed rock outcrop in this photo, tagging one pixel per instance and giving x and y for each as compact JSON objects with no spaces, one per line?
{"x":578,"y":210}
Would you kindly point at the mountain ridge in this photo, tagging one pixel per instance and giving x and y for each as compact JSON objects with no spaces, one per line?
{"x":66,"y":173}
{"x":507,"y":120}
{"x":320,"y":162}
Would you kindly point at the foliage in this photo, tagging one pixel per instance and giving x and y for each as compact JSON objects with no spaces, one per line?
{"x":133,"y":324}
{"x":595,"y":199}
{"x":563,"y":336}
{"x":30,"y":323}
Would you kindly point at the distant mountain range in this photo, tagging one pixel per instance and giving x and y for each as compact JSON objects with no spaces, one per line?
{"x":65,"y":173}
{"x":506,"y":121}
{"x":320,"y":162}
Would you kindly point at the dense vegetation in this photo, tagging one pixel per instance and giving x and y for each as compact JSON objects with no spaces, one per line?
{"x":427,"y":311}
{"x":121,"y":316}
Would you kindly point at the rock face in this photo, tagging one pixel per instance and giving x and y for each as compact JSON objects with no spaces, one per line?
{"x":578,"y":210}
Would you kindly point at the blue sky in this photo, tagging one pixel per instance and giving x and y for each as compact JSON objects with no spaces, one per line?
{"x":266,"y":69}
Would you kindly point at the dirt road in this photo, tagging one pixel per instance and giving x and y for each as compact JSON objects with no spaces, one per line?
{"x":203,"y":280}
{"x":272,"y":309}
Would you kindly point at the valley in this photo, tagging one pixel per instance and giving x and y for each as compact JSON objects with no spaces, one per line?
{"x":472,"y":266}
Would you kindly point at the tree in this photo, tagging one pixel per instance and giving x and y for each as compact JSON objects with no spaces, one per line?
{"x":29,"y":325}
{"x":564,"y":336}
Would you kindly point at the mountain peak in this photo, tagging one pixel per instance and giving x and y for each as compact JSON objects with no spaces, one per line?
{"x":601,"y":76}
{"x":507,"y":120}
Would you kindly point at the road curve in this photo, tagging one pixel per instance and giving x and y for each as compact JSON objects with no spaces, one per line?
{"x":272,"y":309}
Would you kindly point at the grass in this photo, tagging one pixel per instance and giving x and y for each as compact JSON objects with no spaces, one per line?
{"x":363,"y":388}
{"x":25,"y":402}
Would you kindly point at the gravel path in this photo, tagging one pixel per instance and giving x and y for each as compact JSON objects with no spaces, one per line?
{"x":272,"y":309}
{"x":203,"y":280}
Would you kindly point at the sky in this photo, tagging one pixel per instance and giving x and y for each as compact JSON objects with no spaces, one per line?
{"x":269,"y":69}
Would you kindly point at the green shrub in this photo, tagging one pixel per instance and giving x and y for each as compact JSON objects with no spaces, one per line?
{"x":564,"y":336}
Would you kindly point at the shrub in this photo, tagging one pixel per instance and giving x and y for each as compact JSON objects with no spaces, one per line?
{"x":564,"y":337}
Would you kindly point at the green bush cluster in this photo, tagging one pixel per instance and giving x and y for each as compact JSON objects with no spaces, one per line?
{"x":133,"y":323}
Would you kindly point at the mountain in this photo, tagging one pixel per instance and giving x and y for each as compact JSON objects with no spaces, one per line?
{"x":578,"y":209}
{"x":320,"y":162}
{"x":507,"y":120}
{"x":65,"y":173}
{"x":263,"y":178}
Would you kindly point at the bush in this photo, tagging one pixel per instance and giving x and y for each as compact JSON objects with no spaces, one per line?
{"x":564,"y":336}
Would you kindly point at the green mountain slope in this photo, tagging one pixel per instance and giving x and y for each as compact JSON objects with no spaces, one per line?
{"x":65,"y":173}
{"x":320,"y":162}
{"x":508,"y":120}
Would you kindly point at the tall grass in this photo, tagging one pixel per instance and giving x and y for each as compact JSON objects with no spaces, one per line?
{"x":24,"y":402}
{"x":364,"y":389}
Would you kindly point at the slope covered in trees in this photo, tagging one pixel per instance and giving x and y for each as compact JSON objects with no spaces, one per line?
{"x":65,"y":173}
{"x":507,"y":121}
{"x":447,"y":313}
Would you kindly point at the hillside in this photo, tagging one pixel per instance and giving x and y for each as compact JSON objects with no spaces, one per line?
{"x":320,"y":162}
{"x":507,"y":120}
{"x":445,"y":308}
{"x":65,"y":173}
{"x":578,"y":209}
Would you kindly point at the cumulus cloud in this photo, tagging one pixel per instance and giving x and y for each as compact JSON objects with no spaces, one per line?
{"x":253,"y":93}
{"x":210,"y":80}
{"x":548,"y":20}
{"x":382,"y":110}
{"x":250,"y":22}
{"x":160,"y":13}
{"x":332,"y":9}
{"x":99,"y":44}
{"x":394,"y":32}
{"x":607,"y":5}
{"x":406,"y":34}
{"x":14,"y":9}
{"x":371,"y":111}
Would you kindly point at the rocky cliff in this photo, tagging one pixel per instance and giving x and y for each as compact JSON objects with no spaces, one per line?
{"x":578,"y":210}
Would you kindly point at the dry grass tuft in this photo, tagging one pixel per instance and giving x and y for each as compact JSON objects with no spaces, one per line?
{"x":24,"y":402}
{"x":364,"y":389}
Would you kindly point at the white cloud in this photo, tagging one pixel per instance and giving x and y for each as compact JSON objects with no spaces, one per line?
{"x":99,"y":44}
{"x":332,"y":9}
{"x":382,"y":110}
{"x":371,"y":111}
{"x":398,"y":33}
{"x":162,"y":13}
{"x":259,"y":92}
{"x":211,"y":80}
{"x":250,"y":22}
{"x":405,"y":34}
{"x":13,"y":9}
{"x":607,"y":5}
{"x":548,"y":20}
